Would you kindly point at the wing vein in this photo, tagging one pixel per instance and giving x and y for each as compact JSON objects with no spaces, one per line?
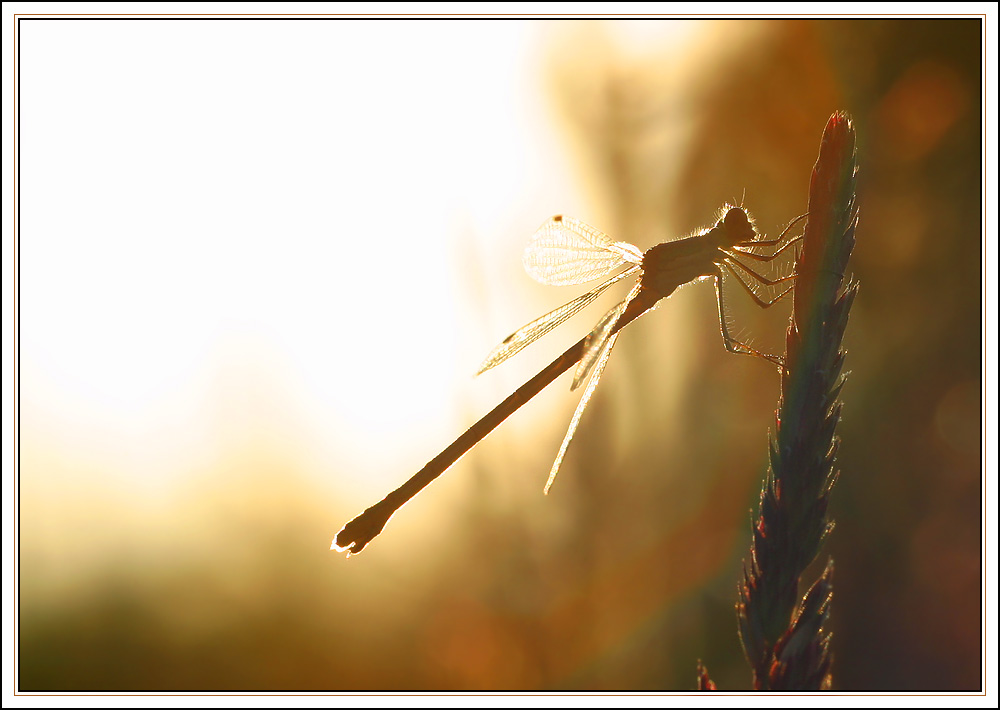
{"x":518,"y":340}
{"x":566,"y":251}
{"x":601,"y":351}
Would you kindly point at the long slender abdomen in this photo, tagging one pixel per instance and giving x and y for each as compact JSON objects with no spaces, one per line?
{"x":643,"y":301}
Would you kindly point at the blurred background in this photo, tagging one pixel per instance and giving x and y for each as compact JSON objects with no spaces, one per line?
{"x":261,"y":260}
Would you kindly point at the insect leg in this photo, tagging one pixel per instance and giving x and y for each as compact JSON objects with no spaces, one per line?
{"x":753,"y":294}
{"x":770,"y":242}
{"x":732,"y":344}
{"x":760,"y":278}
{"x":780,"y":237}
{"x":762,"y":257}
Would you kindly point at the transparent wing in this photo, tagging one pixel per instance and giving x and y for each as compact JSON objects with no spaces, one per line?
{"x":601,"y":361}
{"x":534,"y":330}
{"x":602,"y":343}
{"x":594,"y":345}
{"x":566,"y":251}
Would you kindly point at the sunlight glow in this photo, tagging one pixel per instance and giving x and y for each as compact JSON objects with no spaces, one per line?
{"x":326,"y":252}
{"x":305,"y":266}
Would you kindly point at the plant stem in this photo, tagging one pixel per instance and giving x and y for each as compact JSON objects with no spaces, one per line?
{"x":784,"y":638}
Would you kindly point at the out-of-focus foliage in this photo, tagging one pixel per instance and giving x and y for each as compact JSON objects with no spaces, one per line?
{"x":625,"y":575}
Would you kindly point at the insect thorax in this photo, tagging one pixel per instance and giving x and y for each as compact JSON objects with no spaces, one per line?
{"x":671,"y":264}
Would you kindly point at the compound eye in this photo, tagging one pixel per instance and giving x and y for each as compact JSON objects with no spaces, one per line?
{"x":736,"y":218}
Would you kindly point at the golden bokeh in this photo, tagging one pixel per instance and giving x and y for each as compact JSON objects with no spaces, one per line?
{"x":261,"y":261}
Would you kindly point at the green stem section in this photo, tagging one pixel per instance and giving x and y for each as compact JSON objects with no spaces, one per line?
{"x":783,"y":637}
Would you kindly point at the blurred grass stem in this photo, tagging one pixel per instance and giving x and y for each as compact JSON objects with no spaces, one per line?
{"x":784,"y":638}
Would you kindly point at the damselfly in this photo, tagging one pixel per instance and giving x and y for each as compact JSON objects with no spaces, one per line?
{"x":565,"y":251}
